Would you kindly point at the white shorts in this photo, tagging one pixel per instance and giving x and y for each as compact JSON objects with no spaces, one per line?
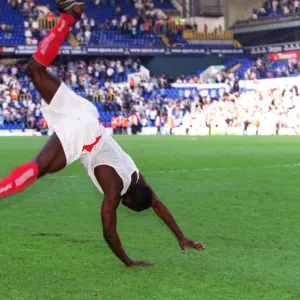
{"x":74,"y":120}
{"x":108,"y":152}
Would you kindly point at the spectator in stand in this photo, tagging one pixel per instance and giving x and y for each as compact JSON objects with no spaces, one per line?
{"x":92,"y":24}
{"x":31,"y":25}
{"x":118,"y":11}
{"x":147,"y":97}
{"x":87,"y":35}
{"x":97,"y":3}
{"x":79,"y":75}
{"x":276,"y":7}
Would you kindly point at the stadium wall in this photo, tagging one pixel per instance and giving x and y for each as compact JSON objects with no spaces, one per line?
{"x":176,"y":66}
{"x":235,"y":10}
{"x":210,"y":22}
{"x":258,"y":38}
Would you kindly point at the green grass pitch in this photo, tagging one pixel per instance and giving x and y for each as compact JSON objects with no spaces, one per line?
{"x":240,"y":196}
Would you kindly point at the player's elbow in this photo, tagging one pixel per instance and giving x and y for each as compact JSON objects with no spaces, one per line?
{"x":106,"y":236}
{"x":109,"y":238}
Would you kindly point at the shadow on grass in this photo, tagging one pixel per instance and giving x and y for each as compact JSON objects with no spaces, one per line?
{"x":46,"y":234}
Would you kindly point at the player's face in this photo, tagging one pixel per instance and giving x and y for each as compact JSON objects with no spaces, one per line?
{"x":126,"y":201}
{"x":138,"y":198}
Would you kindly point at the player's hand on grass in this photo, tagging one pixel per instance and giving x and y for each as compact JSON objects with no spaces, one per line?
{"x":134,"y":263}
{"x":185,"y":243}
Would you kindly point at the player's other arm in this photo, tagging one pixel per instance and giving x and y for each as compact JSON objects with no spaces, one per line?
{"x":163,"y":212}
{"x":109,"y":222}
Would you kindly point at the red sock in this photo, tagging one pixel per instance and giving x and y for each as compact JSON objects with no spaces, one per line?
{"x":50,"y":45}
{"x":19,"y":179}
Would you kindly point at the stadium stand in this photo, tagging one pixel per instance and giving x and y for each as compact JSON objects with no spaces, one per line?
{"x":20,"y":103}
{"x":12,"y":30}
{"x":261,"y":68}
{"x":202,"y":99}
{"x":276,"y":8}
{"x":105,"y":23}
{"x":120,"y":26}
{"x":163,"y":4}
{"x":91,"y":79}
{"x":27,"y":20}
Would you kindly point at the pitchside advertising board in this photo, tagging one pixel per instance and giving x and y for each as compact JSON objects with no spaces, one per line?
{"x":284,"y":55}
{"x":217,"y":90}
{"x":7,"y":50}
{"x":263,"y":130}
{"x":276,"y":52}
{"x":124,"y":51}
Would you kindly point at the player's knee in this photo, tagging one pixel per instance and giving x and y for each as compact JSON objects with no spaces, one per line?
{"x":34,"y":68}
{"x":42,"y":166}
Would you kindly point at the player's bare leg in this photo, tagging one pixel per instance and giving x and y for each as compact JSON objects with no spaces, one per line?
{"x":51,"y":158}
{"x":45,"y":82}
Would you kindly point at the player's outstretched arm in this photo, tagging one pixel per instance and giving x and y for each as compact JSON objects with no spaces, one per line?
{"x":109,"y":222}
{"x":163,"y":212}
{"x":112,"y":184}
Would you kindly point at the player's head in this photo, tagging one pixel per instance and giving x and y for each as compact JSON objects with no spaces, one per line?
{"x":138,"y":197}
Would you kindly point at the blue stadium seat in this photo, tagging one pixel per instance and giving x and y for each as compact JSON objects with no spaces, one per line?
{"x":12,"y":17}
{"x":163,"y":4}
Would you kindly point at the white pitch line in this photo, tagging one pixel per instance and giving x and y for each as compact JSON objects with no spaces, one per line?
{"x":223,"y":169}
{"x":65,"y":176}
{"x":192,"y":170}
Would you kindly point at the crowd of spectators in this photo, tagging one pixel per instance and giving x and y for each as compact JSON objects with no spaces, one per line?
{"x":140,"y":23}
{"x":17,"y":105}
{"x":20,"y":103}
{"x":7,"y":30}
{"x":270,"y":108}
{"x":262,"y":68}
{"x":133,"y":25}
{"x":221,"y":77}
{"x":278,"y":107}
{"x":160,"y":22}
{"x":83,"y":29}
{"x":87,"y":78}
{"x":267,"y":109}
{"x":90,"y":77}
{"x":32,"y":31}
{"x":146,"y":20}
{"x":276,"y":7}
{"x":254,"y":70}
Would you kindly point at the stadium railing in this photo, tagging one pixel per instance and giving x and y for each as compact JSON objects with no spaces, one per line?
{"x":219,"y":35}
{"x":101,"y":97}
{"x":45,"y":23}
{"x":27,"y":96}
